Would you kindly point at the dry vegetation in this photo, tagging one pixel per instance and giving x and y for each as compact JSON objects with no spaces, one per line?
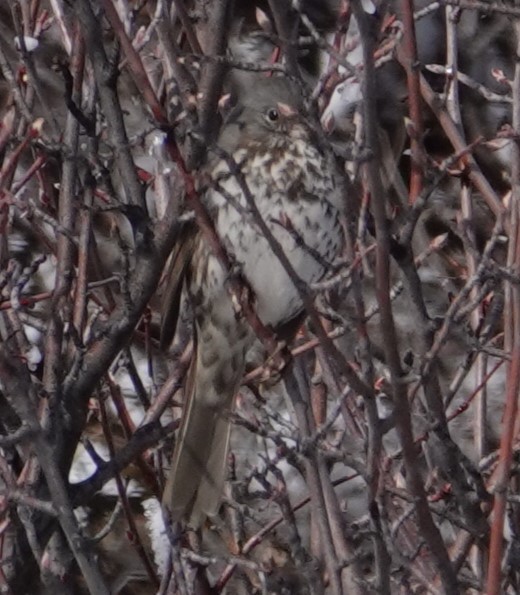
{"x":384,"y":461}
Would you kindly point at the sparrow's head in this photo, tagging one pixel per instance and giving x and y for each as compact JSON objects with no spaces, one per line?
{"x":269,"y":114}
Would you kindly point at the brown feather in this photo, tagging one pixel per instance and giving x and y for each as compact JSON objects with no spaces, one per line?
{"x":180,"y":261}
{"x":199,"y":463}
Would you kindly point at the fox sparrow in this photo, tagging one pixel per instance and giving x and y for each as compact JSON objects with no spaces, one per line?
{"x":298,"y":194}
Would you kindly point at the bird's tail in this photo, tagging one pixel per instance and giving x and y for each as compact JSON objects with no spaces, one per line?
{"x":199,"y":464}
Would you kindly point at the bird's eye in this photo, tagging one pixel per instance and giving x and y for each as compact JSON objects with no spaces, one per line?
{"x":272,"y":114}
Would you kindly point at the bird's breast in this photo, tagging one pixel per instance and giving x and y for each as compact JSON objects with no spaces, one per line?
{"x":296,"y":197}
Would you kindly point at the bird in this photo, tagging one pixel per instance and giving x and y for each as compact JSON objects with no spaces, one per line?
{"x":298,"y":192}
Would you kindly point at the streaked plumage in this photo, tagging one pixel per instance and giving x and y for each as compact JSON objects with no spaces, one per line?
{"x":294,"y":185}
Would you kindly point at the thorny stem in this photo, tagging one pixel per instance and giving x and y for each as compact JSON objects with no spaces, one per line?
{"x":401,"y":409}
{"x":512,"y":343}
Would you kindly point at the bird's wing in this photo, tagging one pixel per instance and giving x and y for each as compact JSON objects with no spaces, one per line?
{"x":180,"y":260}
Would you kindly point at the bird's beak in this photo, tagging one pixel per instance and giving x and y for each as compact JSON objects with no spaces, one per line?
{"x":286,"y":110}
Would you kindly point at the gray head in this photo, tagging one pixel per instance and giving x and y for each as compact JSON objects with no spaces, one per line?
{"x":269,"y":112}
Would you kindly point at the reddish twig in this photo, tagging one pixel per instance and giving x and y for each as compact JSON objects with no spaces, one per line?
{"x":408,"y":57}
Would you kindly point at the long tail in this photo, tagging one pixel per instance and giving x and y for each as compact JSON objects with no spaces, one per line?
{"x":196,"y":481}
